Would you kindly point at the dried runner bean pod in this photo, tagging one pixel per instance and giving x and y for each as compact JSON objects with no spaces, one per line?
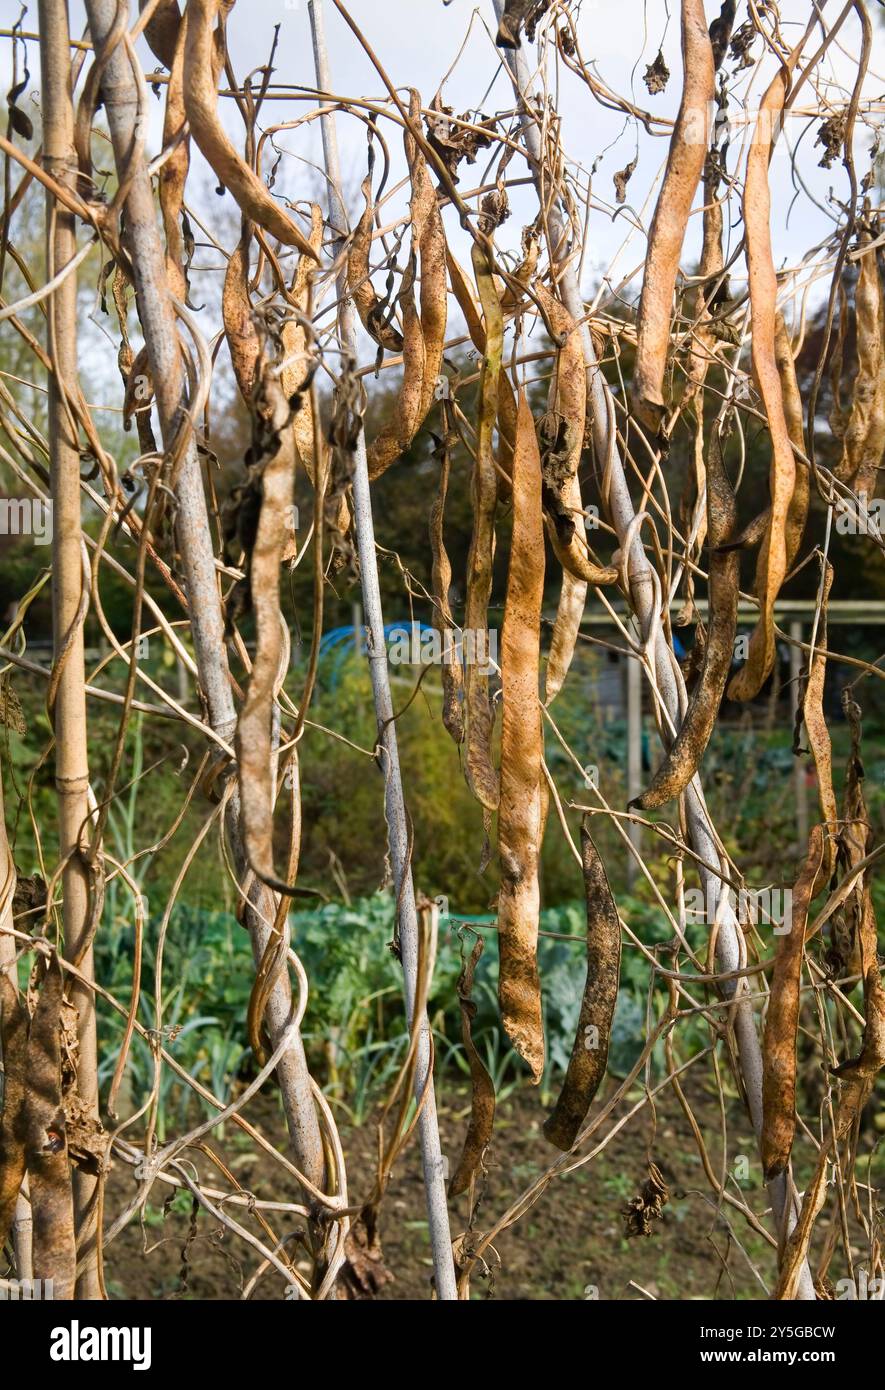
{"x":463,"y":292}
{"x":372,"y":311}
{"x":482,"y":777}
{"x":201,"y":102}
{"x":869,"y":453}
{"x":867,"y":384}
{"x":569,"y":613}
{"x":434,"y":290}
{"x":46,"y":1144}
{"x":274,"y":453}
{"x":397,"y":434}
{"x":857,"y":1076}
{"x":589,"y":1058}
{"x":772,"y":563}
{"x":482,"y":1100}
{"x":174,"y":172}
{"x":14,"y":1037}
{"x":683,"y":758}
{"x":797,"y":512}
{"x":685,"y":164}
{"x":162,"y":29}
{"x":703,"y":344}
{"x":243,"y":340}
{"x":814,"y":719}
{"x":568,"y":402}
{"x":295,"y":370}
{"x":295,"y":374}
{"x":520,"y":812}
{"x":452,"y":670}
{"x":838,"y":417}
{"x":858,"y":1079}
{"x":782,"y":1022}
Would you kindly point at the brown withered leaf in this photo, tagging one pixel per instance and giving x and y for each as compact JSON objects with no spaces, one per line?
{"x":19,"y":120}
{"x":11,"y":712}
{"x":831,"y":137}
{"x":648,"y":1205}
{"x":454,"y":142}
{"x":364,"y":1273}
{"x":566,"y":40}
{"x":519,"y":14}
{"x":538,"y":10}
{"x":657,"y":75}
{"x":741,"y":43}
{"x":621,"y":179}
{"x":495,"y":210}
{"x":30,"y":894}
{"x":720,"y":31}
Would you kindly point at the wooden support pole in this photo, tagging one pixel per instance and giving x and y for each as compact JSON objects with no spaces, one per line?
{"x":395,"y":808}
{"x":69,"y":587}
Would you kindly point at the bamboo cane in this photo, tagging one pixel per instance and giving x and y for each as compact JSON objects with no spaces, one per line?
{"x":397,"y":822}
{"x":68,"y":606}
{"x":667,"y":675}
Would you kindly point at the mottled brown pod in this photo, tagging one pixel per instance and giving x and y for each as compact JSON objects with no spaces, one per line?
{"x":424,"y":331}
{"x":296,"y":368}
{"x":372,"y":312}
{"x":683,"y":759}
{"x":162,"y":29}
{"x":858,"y":1076}
{"x":243,"y":341}
{"x":564,"y":517}
{"x":864,"y":438}
{"x":441,"y":577}
{"x":482,"y":1101}
{"x":46,"y":1144}
{"x":174,"y":172}
{"x":589,"y":1058}
{"x":521,"y":812}
{"x":772,"y":564}
{"x":797,"y":512}
{"x":815,"y":723}
{"x":274,"y":451}
{"x":482,"y":777}
{"x":782,"y":1021}
{"x":464,"y":295}
{"x":685,"y":164}
{"x":201,"y":102}
{"x":569,"y":613}
{"x":14,"y":1037}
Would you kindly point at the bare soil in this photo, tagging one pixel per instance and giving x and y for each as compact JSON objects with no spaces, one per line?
{"x":571,"y":1245}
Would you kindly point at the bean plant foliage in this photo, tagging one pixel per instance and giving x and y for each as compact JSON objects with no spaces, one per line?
{"x":293,"y":361}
